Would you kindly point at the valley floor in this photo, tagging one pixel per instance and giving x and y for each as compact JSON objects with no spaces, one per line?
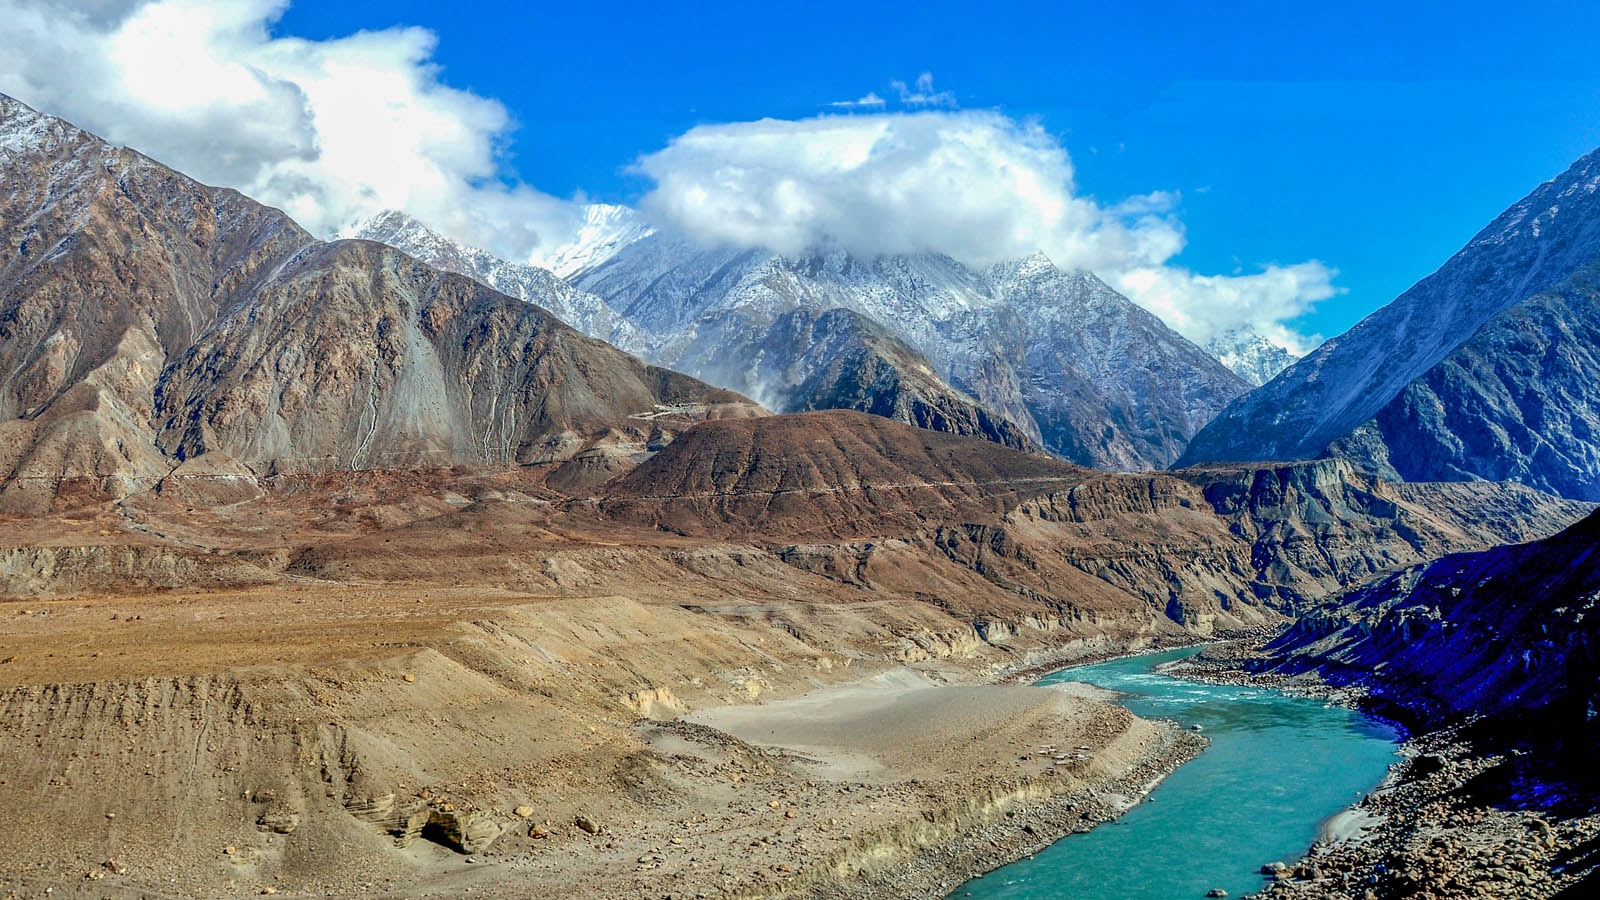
{"x":302,"y":739}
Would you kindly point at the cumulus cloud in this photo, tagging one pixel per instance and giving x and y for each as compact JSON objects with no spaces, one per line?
{"x":330,"y":131}
{"x":976,"y":185}
{"x":334,"y":130}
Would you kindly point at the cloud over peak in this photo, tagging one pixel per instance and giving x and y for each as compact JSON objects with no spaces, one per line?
{"x":332,"y":131}
{"x":976,"y":185}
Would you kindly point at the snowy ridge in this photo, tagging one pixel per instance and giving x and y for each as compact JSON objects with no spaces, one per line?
{"x":605,"y":230}
{"x":25,"y":130}
{"x":1082,"y":369}
{"x":1250,"y":356}
{"x":585,"y":312}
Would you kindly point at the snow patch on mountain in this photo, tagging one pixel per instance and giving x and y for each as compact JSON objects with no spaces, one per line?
{"x":1250,"y":356}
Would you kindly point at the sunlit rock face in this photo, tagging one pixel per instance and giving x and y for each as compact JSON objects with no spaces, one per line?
{"x":147,"y":319}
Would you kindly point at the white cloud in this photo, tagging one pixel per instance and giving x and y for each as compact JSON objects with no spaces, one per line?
{"x":870,"y":101}
{"x":976,"y":185}
{"x":329,"y":131}
{"x":1202,"y":306}
{"x":334,"y":130}
{"x":922,"y":93}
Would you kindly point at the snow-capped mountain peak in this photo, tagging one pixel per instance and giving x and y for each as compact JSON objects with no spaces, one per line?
{"x":26,"y":130}
{"x":1250,"y":356}
{"x":583,"y":311}
{"x":606,"y":229}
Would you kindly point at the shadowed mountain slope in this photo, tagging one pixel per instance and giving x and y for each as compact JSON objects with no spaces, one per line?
{"x":1485,"y":369}
{"x":1512,"y":633}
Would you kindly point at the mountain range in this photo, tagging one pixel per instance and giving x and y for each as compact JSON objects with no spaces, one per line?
{"x":1481,"y":371}
{"x":1020,"y":353}
{"x":1485,"y":369}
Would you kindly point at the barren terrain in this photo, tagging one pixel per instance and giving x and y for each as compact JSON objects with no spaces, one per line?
{"x":771,"y":676}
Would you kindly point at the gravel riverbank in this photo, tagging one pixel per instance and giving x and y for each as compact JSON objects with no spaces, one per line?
{"x":1456,"y":819}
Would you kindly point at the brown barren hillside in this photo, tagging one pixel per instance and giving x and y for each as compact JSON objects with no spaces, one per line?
{"x":838,"y":473}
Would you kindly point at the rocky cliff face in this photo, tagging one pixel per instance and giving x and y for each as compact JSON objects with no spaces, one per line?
{"x":146,"y":319}
{"x":1484,"y":369}
{"x":882,"y":505}
{"x":1519,"y":401}
{"x":1227,"y":546}
{"x":1512,"y":633}
{"x":1075,"y":366}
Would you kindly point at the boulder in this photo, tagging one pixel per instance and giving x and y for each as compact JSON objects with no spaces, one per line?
{"x":464,"y":832}
{"x":279,"y":821}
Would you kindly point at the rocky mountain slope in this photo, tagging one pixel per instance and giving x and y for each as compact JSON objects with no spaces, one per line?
{"x":541,"y":287}
{"x":1511,"y":633}
{"x":1078,"y":368}
{"x":805,"y":359}
{"x":146,"y":319}
{"x":1484,"y":369}
{"x":1518,"y":401}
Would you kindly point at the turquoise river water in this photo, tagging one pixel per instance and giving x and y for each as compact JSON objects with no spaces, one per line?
{"x":1277,"y":768}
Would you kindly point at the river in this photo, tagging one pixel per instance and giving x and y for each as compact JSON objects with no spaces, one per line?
{"x":1277,"y":768}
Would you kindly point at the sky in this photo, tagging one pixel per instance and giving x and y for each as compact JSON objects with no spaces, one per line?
{"x":1271,"y":165}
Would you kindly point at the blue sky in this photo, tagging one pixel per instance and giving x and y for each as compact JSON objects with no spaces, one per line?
{"x":1377,"y":141}
{"x":1295,"y":139}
